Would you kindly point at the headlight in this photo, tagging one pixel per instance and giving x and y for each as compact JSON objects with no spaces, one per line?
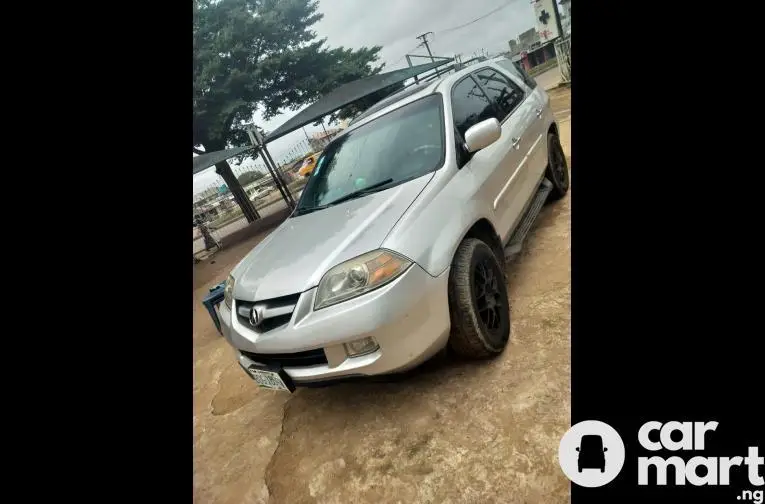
{"x":357,"y":276}
{"x":228,"y":291}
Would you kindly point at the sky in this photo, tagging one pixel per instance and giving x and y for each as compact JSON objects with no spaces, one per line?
{"x":394,"y":25}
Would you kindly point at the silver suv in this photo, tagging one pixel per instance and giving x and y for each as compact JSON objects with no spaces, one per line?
{"x":397,"y":245}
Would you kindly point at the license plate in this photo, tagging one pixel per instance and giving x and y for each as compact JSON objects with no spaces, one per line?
{"x":270,"y":379}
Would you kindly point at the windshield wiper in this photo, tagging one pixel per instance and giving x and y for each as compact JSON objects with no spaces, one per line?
{"x":349,"y":196}
{"x":360,"y":192}
{"x":307,"y":210}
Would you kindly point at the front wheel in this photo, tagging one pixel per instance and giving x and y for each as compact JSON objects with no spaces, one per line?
{"x":557,"y":167}
{"x":478,"y":302}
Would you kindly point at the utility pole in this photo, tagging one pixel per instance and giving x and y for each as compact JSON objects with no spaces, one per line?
{"x":424,"y":39}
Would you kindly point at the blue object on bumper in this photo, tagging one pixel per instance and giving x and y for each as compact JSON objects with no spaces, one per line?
{"x":214,"y":298}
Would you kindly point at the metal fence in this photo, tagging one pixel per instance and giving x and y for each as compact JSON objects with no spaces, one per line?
{"x":563,"y":53}
{"x":215,"y":207}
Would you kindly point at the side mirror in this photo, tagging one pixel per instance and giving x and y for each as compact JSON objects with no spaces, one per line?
{"x":605,"y":449}
{"x":577,"y":448}
{"x":482,"y":134}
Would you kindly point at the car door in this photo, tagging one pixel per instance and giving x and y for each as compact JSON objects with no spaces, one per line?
{"x":542,"y":116}
{"x":516,"y":115}
{"x":492,"y":168}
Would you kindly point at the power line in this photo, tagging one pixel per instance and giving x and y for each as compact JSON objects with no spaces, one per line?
{"x":478,"y":18}
{"x":407,"y":52}
{"x":447,"y":30}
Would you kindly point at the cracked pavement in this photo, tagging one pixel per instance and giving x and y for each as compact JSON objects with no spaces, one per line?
{"x":449,"y":432}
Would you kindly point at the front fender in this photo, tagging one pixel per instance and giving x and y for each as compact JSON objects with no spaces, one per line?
{"x":436,"y":224}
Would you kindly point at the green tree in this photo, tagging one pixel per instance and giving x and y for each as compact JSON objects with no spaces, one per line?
{"x":249,"y":177}
{"x":251,"y":54}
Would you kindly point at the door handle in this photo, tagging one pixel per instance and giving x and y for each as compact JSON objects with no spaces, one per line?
{"x":539,"y":112}
{"x":516,"y":143}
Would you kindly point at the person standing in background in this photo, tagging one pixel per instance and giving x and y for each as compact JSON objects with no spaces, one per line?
{"x":210,"y":240}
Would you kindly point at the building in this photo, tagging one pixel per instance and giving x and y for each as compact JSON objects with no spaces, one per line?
{"x":319,"y":140}
{"x":259,"y":187}
{"x":528,"y":40}
{"x":538,"y":55}
{"x":515,"y":48}
{"x":207,"y":194}
{"x":208,"y":211}
{"x":529,"y":50}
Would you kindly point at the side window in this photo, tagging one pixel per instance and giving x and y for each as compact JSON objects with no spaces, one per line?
{"x":470,"y":105}
{"x":505,"y":94}
{"x":517,"y":69}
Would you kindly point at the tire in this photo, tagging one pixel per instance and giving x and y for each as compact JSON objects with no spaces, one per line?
{"x":478,"y":331}
{"x":557,"y":168}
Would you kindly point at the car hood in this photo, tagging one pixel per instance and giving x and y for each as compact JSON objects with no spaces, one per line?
{"x":295,"y":256}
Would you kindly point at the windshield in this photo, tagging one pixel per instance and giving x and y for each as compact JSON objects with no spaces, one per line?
{"x":592,"y":443}
{"x":396,"y":147}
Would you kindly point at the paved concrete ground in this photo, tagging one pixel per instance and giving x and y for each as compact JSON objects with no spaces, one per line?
{"x":451,"y":432}
{"x":549,"y":79}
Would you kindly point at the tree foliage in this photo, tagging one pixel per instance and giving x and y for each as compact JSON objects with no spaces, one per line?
{"x":251,"y":54}
{"x":249,"y":177}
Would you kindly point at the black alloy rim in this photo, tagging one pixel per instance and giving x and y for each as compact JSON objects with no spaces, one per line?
{"x":559,"y":168}
{"x":488,"y":299}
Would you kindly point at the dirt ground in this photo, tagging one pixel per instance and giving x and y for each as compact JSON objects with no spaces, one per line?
{"x":450,"y":432}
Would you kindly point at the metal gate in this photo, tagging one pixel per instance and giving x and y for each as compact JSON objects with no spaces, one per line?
{"x":563,"y":53}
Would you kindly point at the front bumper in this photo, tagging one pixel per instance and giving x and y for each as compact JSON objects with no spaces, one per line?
{"x":409,"y":319}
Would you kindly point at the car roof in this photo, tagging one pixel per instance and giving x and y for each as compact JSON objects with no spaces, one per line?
{"x":414,"y":89}
{"x":414,"y":92}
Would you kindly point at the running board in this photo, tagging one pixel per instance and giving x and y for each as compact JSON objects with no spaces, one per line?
{"x":516,"y":240}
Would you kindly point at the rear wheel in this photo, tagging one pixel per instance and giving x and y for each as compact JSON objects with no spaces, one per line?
{"x":557,"y":167}
{"x":478,"y":302}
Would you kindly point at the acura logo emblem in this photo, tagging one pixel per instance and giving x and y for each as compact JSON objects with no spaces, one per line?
{"x":255,"y":317}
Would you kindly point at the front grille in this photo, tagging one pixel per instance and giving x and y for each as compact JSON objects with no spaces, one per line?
{"x":268,"y":324}
{"x":297,"y":359}
{"x":275,"y":312}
